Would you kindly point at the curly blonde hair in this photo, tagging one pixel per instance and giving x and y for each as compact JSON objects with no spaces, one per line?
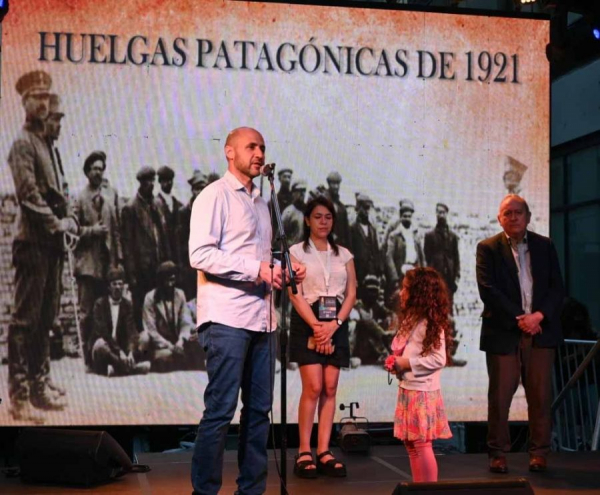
{"x":426,"y":298}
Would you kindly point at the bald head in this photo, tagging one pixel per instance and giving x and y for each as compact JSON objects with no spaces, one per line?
{"x":236,"y":134}
{"x":513,"y":197}
{"x":245,"y":152}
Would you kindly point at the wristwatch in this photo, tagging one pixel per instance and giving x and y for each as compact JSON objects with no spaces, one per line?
{"x":339,"y":322}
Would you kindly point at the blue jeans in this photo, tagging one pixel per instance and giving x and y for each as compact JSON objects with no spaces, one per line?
{"x":235,"y":358}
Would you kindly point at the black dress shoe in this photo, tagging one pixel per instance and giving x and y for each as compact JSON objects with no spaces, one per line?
{"x":537,"y":464}
{"x":458,"y":363}
{"x":498,"y":465}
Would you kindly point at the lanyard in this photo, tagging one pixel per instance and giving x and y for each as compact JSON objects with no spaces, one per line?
{"x":326,"y":266}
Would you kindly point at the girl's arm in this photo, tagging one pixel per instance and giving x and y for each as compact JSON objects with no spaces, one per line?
{"x":424,"y":365}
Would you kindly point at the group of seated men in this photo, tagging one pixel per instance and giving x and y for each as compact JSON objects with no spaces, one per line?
{"x":168,"y":341}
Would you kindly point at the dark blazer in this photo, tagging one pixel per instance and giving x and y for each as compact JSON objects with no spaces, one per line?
{"x":441,"y":252}
{"x":169,"y":219}
{"x":127,"y":335}
{"x":366,"y":252}
{"x":145,"y":244}
{"x":498,"y":283}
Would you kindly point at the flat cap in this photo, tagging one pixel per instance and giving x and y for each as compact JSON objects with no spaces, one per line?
{"x":166,"y":269}
{"x":115,"y":274}
{"x":284,"y":171}
{"x":334,"y":177}
{"x":35,"y":82}
{"x":55,"y":108}
{"x":371,"y":282}
{"x":93,"y":157}
{"x":363,"y":198}
{"x":299,"y":185}
{"x":145,"y":173}
{"x":406,"y":205}
{"x":165,"y":173}
{"x":197,"y":177}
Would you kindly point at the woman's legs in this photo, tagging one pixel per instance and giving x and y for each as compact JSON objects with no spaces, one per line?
{"x":422,"y":460}
{"x":331,"y":376}
{"x":312,"y":384}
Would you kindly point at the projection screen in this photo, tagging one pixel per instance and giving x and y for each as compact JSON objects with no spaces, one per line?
{"x":404,"y":105}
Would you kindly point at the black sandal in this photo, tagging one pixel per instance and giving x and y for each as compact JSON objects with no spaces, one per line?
{"x":301,"y":467}
{"x":329,"y":468}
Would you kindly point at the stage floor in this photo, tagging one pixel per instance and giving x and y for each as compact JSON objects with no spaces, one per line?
{"x":377,"y":473}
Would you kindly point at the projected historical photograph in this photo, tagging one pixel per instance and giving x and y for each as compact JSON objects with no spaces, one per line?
{"x":112,"y":125}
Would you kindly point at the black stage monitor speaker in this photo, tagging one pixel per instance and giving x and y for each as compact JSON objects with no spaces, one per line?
{"x":352,"y":438}
{"x":514,"y":486}
{"x":70,"y":457}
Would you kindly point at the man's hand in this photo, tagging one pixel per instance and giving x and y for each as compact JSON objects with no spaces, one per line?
{"x":530,"y":323}
{"x":299,"y":271}
{"x":99,"y":229}
{"x":270,"y":277}
{"x":68,"y":225}
{"x":130,"y":360}
{"x":178,"y":347}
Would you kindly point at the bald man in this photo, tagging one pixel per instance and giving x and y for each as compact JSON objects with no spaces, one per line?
{"x":521,"y":287}
{"x":230,"y":245}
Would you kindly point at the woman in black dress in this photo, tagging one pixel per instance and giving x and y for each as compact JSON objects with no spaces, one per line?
{"x":319,"y":332}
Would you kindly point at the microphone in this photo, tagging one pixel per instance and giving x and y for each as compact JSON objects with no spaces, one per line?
{"x":267,"y":169}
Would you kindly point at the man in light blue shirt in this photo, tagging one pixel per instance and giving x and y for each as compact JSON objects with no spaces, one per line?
{"x":230,"y":246}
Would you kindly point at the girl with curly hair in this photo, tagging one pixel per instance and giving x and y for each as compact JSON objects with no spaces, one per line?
{"x":420,"y":352}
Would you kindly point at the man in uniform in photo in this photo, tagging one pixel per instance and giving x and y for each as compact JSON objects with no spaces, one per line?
{"x":188,"y":275}
{"x":365,"y":246}
{"x":38,"y":254}
{"x":168,"y":205}
{"x":441,"y":253}
{"x":403,"y":250}
{"x":292,"y":217}
{"x":115,"y":342}
{"x":145,"y":244}
{"x":168,"y":323}
{"x":341,"y":229}
{"x":99,"y":245}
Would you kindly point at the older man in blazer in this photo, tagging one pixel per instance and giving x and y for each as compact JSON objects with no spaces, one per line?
{"x":521,"y":287}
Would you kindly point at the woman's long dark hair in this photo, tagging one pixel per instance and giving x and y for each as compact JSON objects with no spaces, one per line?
{"x":310,"y":206}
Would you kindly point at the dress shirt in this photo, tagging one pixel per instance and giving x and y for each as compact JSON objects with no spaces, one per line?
{"x":230,"y":235}
{"x":409,"y":239}
{"x":114,"y":315}
{"x":520,"y":251}
{"x":169,"y":200}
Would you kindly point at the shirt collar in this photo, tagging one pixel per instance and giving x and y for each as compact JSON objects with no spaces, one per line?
{"x":235,"y":184}
{"x":511,"y":243}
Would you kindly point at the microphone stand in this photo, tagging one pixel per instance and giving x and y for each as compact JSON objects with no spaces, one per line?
{"x":286,"y":265}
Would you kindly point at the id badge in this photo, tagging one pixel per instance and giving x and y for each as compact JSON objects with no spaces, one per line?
{"x":327,"y":307}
